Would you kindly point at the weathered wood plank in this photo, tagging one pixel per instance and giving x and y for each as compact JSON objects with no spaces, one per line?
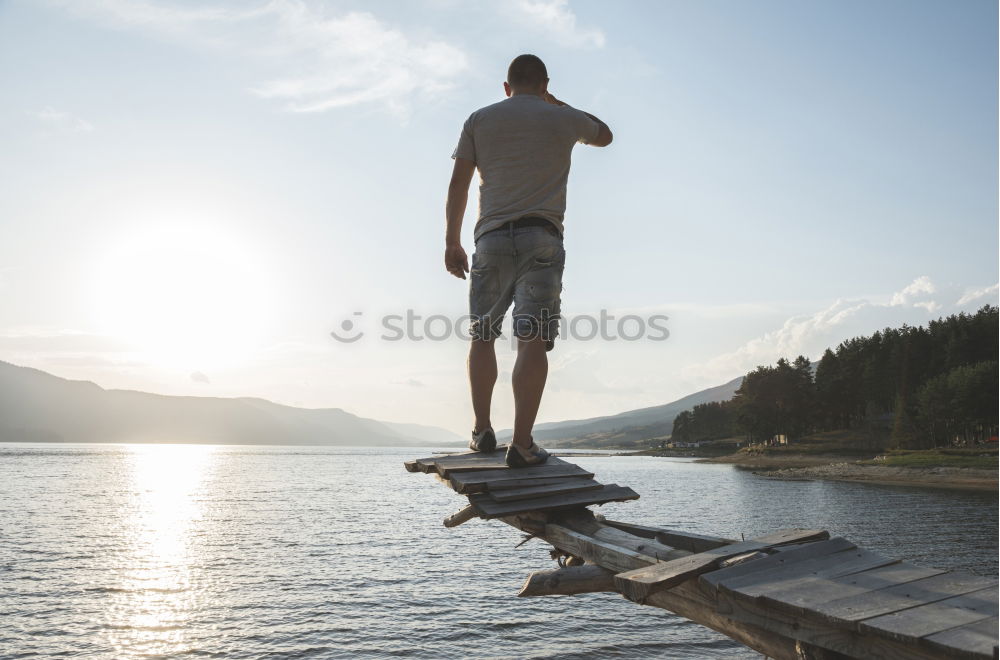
{"x":477,"y":481}
{"x":637,"y":585}
{"x":471,"y":460}
{"x":756,"y":621}
{"x":817,"y":633}
{"x":685,"y":600}
{"x":560,"y":487}
{"x":979,"y":638}
{"x":903,"y":596}
{"x":569,"y":581}
{"x":587,"y":523}
{"x":603,"y":553}
{"x":795,"y":554}
{"x":489,"y":508}
{"x":672,"y":537}
{"x":501,"y":485}
{"x":810,"y":596}
{"x":466,"y":514}
{"x":924,"y":620}
{"x":811,"y":571}
{"x":476,"y":462}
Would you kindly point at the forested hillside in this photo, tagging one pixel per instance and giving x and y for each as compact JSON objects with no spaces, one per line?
{"x":922,"y":387}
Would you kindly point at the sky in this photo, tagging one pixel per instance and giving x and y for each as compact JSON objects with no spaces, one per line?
{"x":197,"y":194}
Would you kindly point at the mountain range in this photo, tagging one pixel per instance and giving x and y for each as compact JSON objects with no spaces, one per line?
{"x":36,"y":406}
{"x":633,"y":428}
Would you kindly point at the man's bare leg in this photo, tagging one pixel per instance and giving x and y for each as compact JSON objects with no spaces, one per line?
{"x":530,"y":371}
{"x":482,"y":378}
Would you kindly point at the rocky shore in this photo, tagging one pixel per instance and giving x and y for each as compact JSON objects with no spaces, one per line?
{"x":934,"y":477}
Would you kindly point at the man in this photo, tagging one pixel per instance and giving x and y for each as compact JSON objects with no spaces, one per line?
{"x":521,"y":147}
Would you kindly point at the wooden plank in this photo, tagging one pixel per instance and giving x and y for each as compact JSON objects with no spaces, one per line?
{"x":795,"y":554}
{"x":672,"y":537}
{"x":560,"y":487}
{"x":488,"y":508}
{"x":466,"y":514}
{"x":569,"y":581}
{"x":637,"y":585}
{"x":903,"y":596}
{"x":587,"y":523}
{"x":603,"y":553}
{"x":791,"y":626}
{"x":478,"y":481}
{"x":447,"y":467}
{"x":805,"y":595}
{"x":912,"y":624}
{"x":979,"y":638}
{"x":421,"y":464}
{"x":501,"y":485}
{"x":685,"y":600}
{"x":464,"y":460}
{"x":811,"y":571}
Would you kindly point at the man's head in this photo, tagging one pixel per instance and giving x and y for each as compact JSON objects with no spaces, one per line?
{"x":526,"y":75}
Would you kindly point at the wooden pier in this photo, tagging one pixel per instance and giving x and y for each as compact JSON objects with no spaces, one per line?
{"x":792,"y":594}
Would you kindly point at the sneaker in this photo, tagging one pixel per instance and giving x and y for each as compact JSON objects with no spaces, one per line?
{"x":485,"y":441}
{"x":516,"y":459}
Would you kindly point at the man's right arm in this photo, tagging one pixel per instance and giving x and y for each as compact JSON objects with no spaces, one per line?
{"x":455,"y":259}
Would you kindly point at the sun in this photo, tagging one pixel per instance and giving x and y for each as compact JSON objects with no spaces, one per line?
{"x":185,"y":297}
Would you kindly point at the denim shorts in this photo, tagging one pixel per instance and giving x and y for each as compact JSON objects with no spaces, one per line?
{"x":524,"y":266}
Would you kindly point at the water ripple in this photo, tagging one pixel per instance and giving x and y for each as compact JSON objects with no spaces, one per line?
{"x":112,"y":551}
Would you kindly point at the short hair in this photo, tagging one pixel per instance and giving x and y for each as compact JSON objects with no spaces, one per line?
{"x":527,"y":71}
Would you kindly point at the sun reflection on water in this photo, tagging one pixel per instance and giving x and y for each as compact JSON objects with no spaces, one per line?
{"x":156,"y":573}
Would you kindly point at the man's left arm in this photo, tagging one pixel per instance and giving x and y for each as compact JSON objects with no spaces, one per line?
{"x":455,"y":259}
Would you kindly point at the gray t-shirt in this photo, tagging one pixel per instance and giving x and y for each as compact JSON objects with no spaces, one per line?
{"x":521,"y":147}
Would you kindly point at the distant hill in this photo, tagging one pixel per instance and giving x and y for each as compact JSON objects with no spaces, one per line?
{"x":38,"y":407}
{"x":633,"y":428}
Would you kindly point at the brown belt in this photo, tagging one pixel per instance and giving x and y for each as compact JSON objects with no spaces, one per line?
{"x":529,"y":221}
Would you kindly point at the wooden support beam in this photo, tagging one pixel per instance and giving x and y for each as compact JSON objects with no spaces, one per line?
{"x":672,"y":537}
{"x":589,"y":524}
{"x":609,"y":555}
{"x":466,"y":514}
{"x":569,"y":581}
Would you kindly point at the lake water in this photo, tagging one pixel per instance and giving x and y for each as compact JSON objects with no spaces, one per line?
{"x":117,"y":551}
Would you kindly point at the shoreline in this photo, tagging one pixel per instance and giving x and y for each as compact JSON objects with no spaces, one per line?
{"x":836,"y":468}
{"x":938,"y":477}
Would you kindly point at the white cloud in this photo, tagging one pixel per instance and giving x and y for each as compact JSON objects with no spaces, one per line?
{"x":555,"y":19}
{"x":918,"y":288}
{"x":63,"y":122}
{"x":304,"y":56}
{"x":985,"y":295}
{"x":811,"y":334}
